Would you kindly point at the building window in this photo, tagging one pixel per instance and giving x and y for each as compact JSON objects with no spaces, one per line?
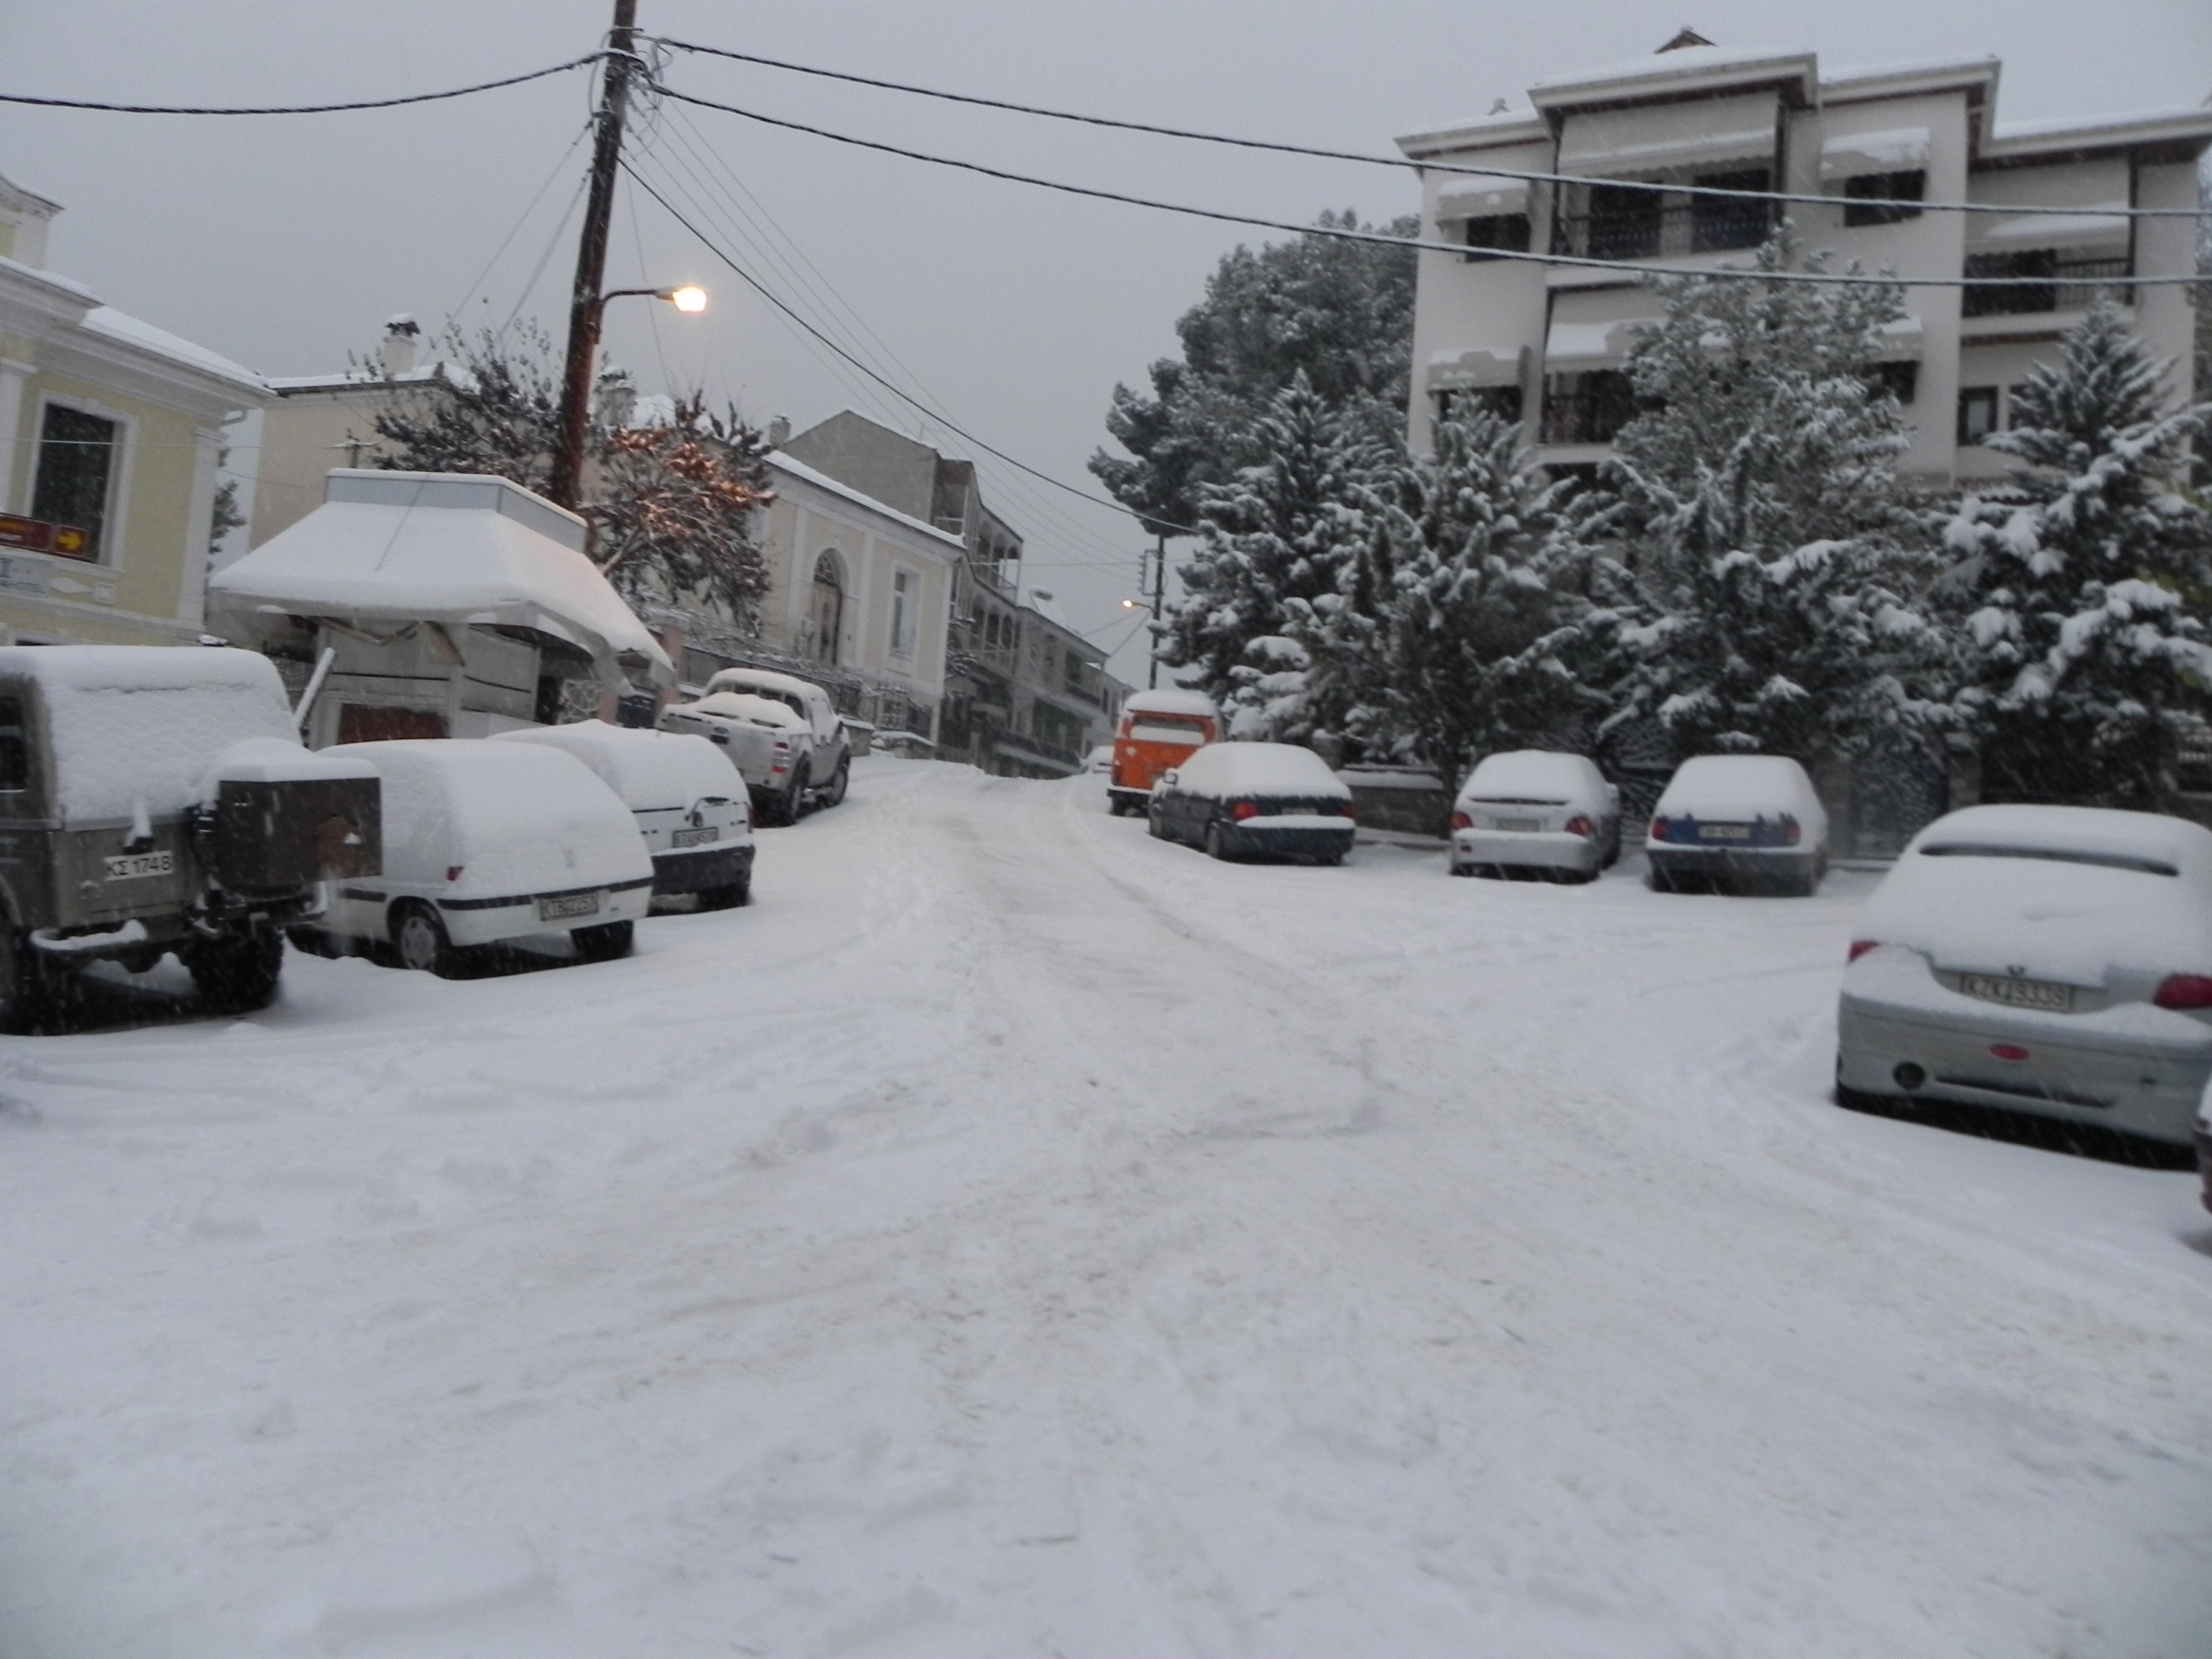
{"x":1623,"y":223}
{"x":906,"y":601}
{"x":1900,"y":379}
{"x":2010,"y":300}
{"x":76,"y":472}
{"x":1725,"y":221}
{"x":15,"y":748}
{"x":1884,"y":199}
{"x":1977,"y":413}
{"x":1588,"y":408}
{"x":825,"y":610}
{"x":1464,"y":403}
{"x":1506,"y":231}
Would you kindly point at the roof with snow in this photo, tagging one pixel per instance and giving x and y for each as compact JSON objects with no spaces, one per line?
{"x":792,"y":468}
{"x":452,"y":548}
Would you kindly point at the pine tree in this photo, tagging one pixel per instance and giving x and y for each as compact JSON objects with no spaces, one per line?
{"x":1763,"y":598}
{"x":2083,"y":597}
{"x":1277,"y":538}
{"x":1463,"y":661}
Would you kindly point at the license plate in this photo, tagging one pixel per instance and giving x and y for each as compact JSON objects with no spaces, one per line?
{"x":131,"y":866}
{"x":2018,"y":992}
{"x":1723,"y":832}
{"x":696,"y":837}
{"x":568,"y":905}
{"x":1518,"y":826}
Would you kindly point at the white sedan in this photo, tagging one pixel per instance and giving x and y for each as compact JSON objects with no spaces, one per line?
{"x":1551,"y":815}
{"x":2055,"y":960}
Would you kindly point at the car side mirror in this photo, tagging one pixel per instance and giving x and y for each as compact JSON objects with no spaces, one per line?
{"x":1169,"y":777}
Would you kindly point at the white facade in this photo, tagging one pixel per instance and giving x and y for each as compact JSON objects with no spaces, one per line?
{"x":1546,"y":343}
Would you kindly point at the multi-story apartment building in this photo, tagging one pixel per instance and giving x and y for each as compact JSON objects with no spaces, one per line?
{"x":1545,"y":344}
{"x":110,"y":434}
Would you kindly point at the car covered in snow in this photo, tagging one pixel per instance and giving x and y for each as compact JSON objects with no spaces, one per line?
{"x":1255,"y":799}
{"x":1158,"y":730}
{"x":821,"y":773}
{"x":763,"y":737}
{"x":1738,"y":823}
{"x":1100,"y":759}
{"x":1532,"y":811}
{"x":2055,"y":960}
{"x":488,"y":841}
{"x":690,"y":811}
{"x":156,"y":799}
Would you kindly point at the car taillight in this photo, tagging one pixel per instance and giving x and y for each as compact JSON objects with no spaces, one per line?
{"x":2184,"y":991}
{"x":453,"y":873}
{"x":1243,"y":810}
{"x":1461,"y":820}
{"x":1658,"y":829}
{"x":1790,"y":830}
{"x":2008,"y":1051}
{"x":1579,"y":825}
{"x":1345,"y":808}
{"x":1861,"y":946}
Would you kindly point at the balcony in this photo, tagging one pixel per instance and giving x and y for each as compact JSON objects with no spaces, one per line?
{"x":1587,"y":408}
{"x":1609,"y":223}
{"x":2031,"y":298}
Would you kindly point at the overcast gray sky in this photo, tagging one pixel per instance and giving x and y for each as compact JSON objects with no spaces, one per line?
{"x":285,"y":242}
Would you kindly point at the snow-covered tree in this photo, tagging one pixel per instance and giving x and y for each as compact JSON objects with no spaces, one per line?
{"x":1276,"y":538}
{"x":2083,"y":597}
{"x":1463,"y":663}
{"x":1764,"y":597}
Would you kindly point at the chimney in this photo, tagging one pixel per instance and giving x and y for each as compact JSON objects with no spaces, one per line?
{"x":617,"y":399}
{"x":401,"y":335}
{"x":779,"y":431}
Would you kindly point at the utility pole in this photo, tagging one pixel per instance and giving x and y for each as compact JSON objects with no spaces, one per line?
{"x":1159,"y":591}
{"x":585,"y":302}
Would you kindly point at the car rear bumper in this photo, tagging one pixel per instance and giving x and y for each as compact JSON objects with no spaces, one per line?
{"x":1286,"y":842}
{"x":1733,"y":865}
{"x":486,"y":921}
{"x":2148,"y":1089}
{"x":701,"y":869}
{"x":1525,"y":849}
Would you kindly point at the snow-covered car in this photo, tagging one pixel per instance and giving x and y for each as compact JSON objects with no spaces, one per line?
{"x":156,"y":799}
{"x":1100,"y":759}
{"x":1739,"y":823}
{"x":1538,"y":812}
{"x":2048,"y":959}
{"x":485,"y":842}
{"x":691,"y":812}
{"x":763,"y":737}
{"x":1242,"y":799}
{"x":820,"y":774}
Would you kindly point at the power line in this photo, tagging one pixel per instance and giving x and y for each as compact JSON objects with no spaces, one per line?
{"x":299,"y":109}
{"x":767,"y":293}
{"x":1402,"y":162}
{"x":1848,"y":279}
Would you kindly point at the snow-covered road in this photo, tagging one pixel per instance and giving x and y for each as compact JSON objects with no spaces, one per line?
{"x":1013,"y":1235}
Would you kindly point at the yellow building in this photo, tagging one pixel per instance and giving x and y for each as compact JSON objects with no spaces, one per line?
{"x":110,"y":431}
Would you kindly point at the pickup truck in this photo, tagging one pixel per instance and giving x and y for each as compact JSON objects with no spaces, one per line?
{"x":827,"y":766}
{"x":156,"y":799}
{"x":769,"y":745}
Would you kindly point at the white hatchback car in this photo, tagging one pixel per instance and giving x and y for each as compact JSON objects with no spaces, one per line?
{"x":2055,"y":960}
{"x":485,"y":842}
{"x":1532,"y":810}
{"x":690,"y":807}
{"x":1739,"y":823}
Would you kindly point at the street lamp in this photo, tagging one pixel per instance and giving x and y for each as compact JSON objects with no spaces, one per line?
{"x":567,"y":484}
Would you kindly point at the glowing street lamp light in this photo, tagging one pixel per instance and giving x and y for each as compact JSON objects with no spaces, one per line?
{"x":690,"y":298}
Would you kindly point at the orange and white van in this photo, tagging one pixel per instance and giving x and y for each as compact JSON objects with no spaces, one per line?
{"x":1158,"y":731}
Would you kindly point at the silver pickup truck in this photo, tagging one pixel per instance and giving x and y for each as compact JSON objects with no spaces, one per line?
{"x":812,"y":764}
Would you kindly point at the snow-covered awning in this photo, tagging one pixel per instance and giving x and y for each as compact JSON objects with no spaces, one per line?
{"x":1604,"y":344}
{"x":1461,"y":196}
{"x":1453,"y":371}
{"x":2094,"y":222}
{"x":1902,"y":340}
{"x":1894,"y":150}
{"x":1658,"y":137}
{"x":450,"y":548}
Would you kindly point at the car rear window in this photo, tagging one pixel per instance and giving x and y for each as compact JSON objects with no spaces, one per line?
{"x":1971,"y":849}
{"x":1154,"y":730}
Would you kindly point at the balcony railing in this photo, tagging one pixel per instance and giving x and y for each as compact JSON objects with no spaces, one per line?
{"x":1643,"y":224}
{"x":2021,"y":299}
{"x":1588,"y":408}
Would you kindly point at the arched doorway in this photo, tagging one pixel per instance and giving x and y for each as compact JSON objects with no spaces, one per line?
{"x":825,"y":609}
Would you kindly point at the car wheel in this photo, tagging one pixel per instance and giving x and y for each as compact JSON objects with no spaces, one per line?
{"x":838,"y":784}
{"x":1215,"y":848}
{"x":1331,"y":859}
{"x":794,"y":799}
{"x":237,"y":976}
{"x":1116,"y":806}
{"x":605,"y":942}
{"x":27,"y":985}
{"x":1153,"y":825}
{"x":421,"y":940}
{"x":1658,"y":880}
{"x":1461,"y":869}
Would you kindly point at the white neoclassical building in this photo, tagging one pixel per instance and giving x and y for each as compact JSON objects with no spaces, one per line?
{"x":1546,"y":343}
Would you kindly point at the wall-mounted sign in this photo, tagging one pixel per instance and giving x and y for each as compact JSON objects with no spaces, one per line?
{"x":37,"y":536}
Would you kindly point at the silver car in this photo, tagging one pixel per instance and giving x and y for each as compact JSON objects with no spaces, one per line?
{"x":1532,"y":811}
{"x":2055,"y":960}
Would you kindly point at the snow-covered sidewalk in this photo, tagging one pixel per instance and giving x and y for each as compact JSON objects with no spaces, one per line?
{"x":1013,"y":1236}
